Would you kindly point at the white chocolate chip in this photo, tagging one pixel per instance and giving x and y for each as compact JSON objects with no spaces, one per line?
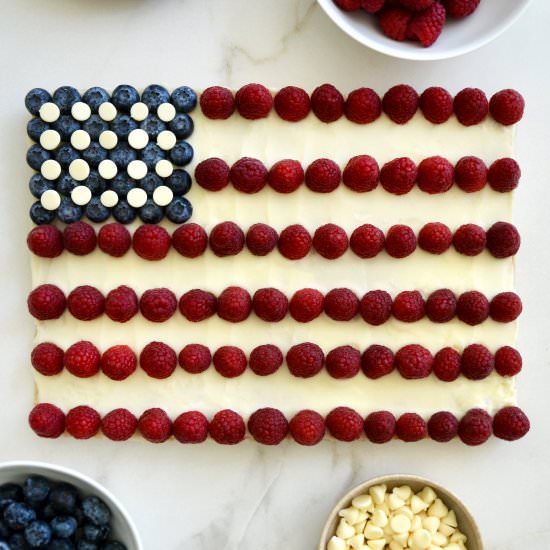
{"x":400,"y":523}
{"x":405,"y":510}
{"x":49,"y":112}
{"x":378,"y":544}
{"x":81,"y":111}
{"x":137,"y":169}
{"x":363,"y":502}
{"x":336,"y":543}
{"x":166,"y":112}
{"x":394,"y":502}
{"x":427,"y":495}
{"x":108,"y":139}
{"x":351,"y":515}
{"x":80,"y":140}
{"x":107,"y":169}
{"x":164,"y":168}
{"x":81,"y":195}
{"x":109,"y":198}
{"x":379,"y":518}
{"x":50,"y":199}
{"x":438,"y":509}
{"x":166,"y":140}
{"x":394,"y":545}
{"x":107,"y":111}
{"x":163,"y":196}
{"x":344,"y":530}
{"x":446,"y":530}
{"x":404,"y":492}
{"x":356,"y":542}
{"x":138,"y":138}
{"x":50,"y":139}
{"x":452,"y":546}
{"x":360,"y":527}
{"x":401,"y":538}
{"x":416,"y":523}
{"x":137,"y":197}
{"x":450,"y":519}
{"x":378,"y":493}
{"x":50,"y":169}
{"x":459,"y":537}
{"x":421,"y":540}
{"x":373,"y":531}
{"x":79,"y":169}
{"x":139,"y":111}
{"x":431,"y":523}
{"x":417,"y":504}
{"x":439,"y":539}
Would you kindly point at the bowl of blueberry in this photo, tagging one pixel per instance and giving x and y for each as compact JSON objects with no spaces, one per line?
{"x":51,"y":507}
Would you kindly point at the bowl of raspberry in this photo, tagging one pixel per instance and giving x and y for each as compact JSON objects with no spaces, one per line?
{"x":424,"y":29}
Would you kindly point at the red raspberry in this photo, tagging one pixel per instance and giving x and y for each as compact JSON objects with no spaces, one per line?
{"x":217,"y":102}
{"x":47,"y":420}
{"x":344,"y":424}
{"x":398,"y":176}
{"x":83,"y":422}
{"x":79,"y":238}
{"x":348,"y":5}
{"x":155,"y":426}
{"x":367,"y":241}
{"x":265,"y":359}
{"x":400,"y":103}
{"x":341,"y":304}
{"x":227,"y":427}
{"x":375,"y":307}
{"x":114,"y":239}
{"x":504,"y":175}
{"x":443,"y":426}
{"x":158,"y":304}
{"x":212,"y":174}
{"x":435,"y":238}
{"x":286,"y":176}
{"x":377,"y":361}
{"x":226,"y":239}
{"x":261,"y":239}
{"x":119,"y":425}
{"x":197,"y":305}
{"x":82,"y":359}
{"x":343,"y":362}
{"x":469,"y":239}
{"x":46,"y":302}
{"x":394,"y":22}
{"x":508,"y":361}
{"x":190,"y":427}
{"x":330,"y":241}
{"x":475,"y":427}
{"x":151,"y":242}
{"x":363,"y":106}
{"x":361,"y":174}
{"x":306,"y":305}
{"x":446,"y":365}
{"x":400,"y":241}
{"x":248,"y":175}
{"x":195,"y":358}
{"x":503,"y":240}
{"x":305,"y":360}
{"x":45,"y":241}
{"x":190,"y":240}
{"x":118,"y":362}
{"x":477,"y":362}
{"x":441,"y":305}
{"x":435,"y":175}
{"x":505,"y":307}
{"x":411,"y":427}
{"x":380,"y":426}
{"x":323,"y":176}
{"x":294,"y":242}
{"x":507,"y":107}
{"x":372,"y":6}
{"x":472,"y":307}
{"x":327,"y":103}
{"x":268,"y":426}
{"x":307,"y":427}
{"x":234,"y":304}
{"x":427,"y":25}
{"x":416,"y":5}
{"x":158,"y":360}
{"x":292,"y":103}
{"x":436,"y":105}
{"x":270,"y":304}
{"x":254,"y":101}
{"x":470,"y":106}
{"x":510,"y":424}
{"x":414,"y":361}
{"x":121,"y":304}
{"x":470,"y":174}
{"x":85,"y":303}
{"x":47,"y":359}
{"x":461,"y":8}
{"x":408,"y":306}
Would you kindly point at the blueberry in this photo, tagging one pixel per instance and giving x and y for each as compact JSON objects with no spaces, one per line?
{"x":94,"y":154}
{"x":64,"y":497}
{"x":94,"y":97}
{"x":114,"y":545}
{"x":39,"y":215}
{"x":96,"y":211}
{"x":17,"y":542}
{"x":37,"y":185}
{"x":4,"y":546}
{"x":123,"y":212}
{"x":68,"y":211}
{"x":48,"y":512}
{"x":154,"y":95}
{"x":96,"y":510}
{"x":95,"y":125}
{"x":35,"y":99}
{"x":61,"y":544}
{"x":179,"y":182}
{"x":65,"y":97}
{"x":65,"y":154}
{"x":179,"y":210}
{"x":153,"y":126}
{"x":124,"y":96}
{"x":36,"y":155}
{"x":121,"y":184}
{"x":4,"y":531}
{"x":122,"y":155}
{"x":150,"y":182}
{"x":95,"y":183}
{"x":181,"y":125}
{"x":151,"y":154}
{"x":10,"y":491}
{"x":85,"y":545}
{"x":181,"y":154}
{"x":151,"y":212}
{"x":122,"y":125}
{"x":36,"y":490}
{"x":18,"y":515}
{"x":38,"y":534}
{"x":36,"y":127}
{"x":184,"y":99}
{"x":65,"y":184}
{"x":66,"y":125}
{"x":63,"y":527}
{"x":96,"y":533}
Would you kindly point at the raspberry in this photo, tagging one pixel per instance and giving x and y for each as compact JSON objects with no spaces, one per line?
{"x":261,"y":239}
{"x":212,"y":174}
{"x":323,"y":176}
{"x":372,"y":6}
{"x":155,"y":426}
{"x":363,"y":106}
{"x":367,"y":241}
{"x":375,"y":307}
{"x":195,"y":358}
{"x":294,"y":242}
{"x":158,"y":360}
{"x":380,"y":426}
{"x":121,"y":304}
{"x":85,"y":303}
{"x":327,"y":103}
{"x":427,"y":25}
{"x":305,"y":360}
{"x":469,"y":239}
{"x":190,"y":427}
{"x":226,"y":239}
{"x":400,"y":103}
{"x":400,"y":241}
{"x":398,"y":176}
{"x":461,"y":8}
{"x":46,"y":302}
{"x":435,"y":238}
{"x":510,"y":424}
{"x":344,"y":424}
{"x":190,"y":240}
{"x":477,"y":362}
{"x":118,"y":362}
{"x":470,"y":174}
{"x":435,"y":175}
{"x":505,"y":307}
{"x":470,"y":106}
{"x":286,"y":176}
{"x":151,"y":242}
{"x":475,"y":427}
{"x":394,"y":22}
{"x":79,"y":238}
{"x":408,"y":306}
{"x":441,"y":305}
{"x":227,"y":427}
{"x":217,"y":102}
{"x":197,"y":305}
{"x":234,"y":304}
{"x":306,"y":305}
{"x":503,"y":240}
{"x":348,"y":5}
{"x":507,"y":107}
{"x":504,"y":175}
{"x":341,"y":304}
{"x":45,"y":241}
{"x":47,"y":359}
{"x":82,"y":359}
{"x":330,"y":241}
{"x":443,"y":426}
{"x":307,"y":427}
{"x":411,"y":427}
{"x":254,"y":101}
{"x":292,"y":103}
{"x":416,"y":5}
{"x":508,"y":361}
{"x":343,"y":362}
{"x":361,"y":174}
{"x":83,"y":422}
{"x":268,"y":426}
{"x":158,"y":304}
{"x":413,"y":361}
{"x":265,"y":359}
{"x":377,"y":361}
{"x":472,"y":307}
{"x":248,"y":175}
{"x":114,"y":239}
{"x":47,"y":420}
{"x":446,"y":365}
{"x":119,"y":425}
{"x":436,"y":105}
{"x":270,"y":304}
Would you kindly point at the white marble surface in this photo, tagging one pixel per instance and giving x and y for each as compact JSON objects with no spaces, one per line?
{"x":249,"y":497}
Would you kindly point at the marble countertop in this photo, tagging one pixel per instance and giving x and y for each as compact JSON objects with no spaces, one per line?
{"x":250,"y":497}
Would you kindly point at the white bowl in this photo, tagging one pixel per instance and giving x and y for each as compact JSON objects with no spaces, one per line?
{"x":459,"y":36}
{"x":124,"y":529}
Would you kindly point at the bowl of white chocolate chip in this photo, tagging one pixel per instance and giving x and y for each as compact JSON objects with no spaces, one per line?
{"x":400,"y":512}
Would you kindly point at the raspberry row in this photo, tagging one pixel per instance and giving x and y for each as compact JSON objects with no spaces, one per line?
{"x":269,"y":426}
{"x":305,"y":360}
{"x":363,"y":105}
